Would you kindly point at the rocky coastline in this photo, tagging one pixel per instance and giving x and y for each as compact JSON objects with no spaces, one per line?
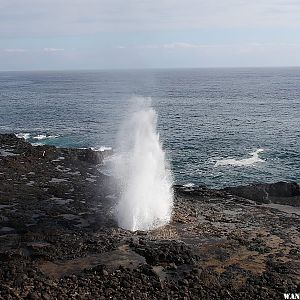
{"x":59,"y":240}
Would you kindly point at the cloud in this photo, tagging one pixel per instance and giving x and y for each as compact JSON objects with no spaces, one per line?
{"x":176,"y":45}
{"x":33,"y":18}
{"x":22,"y":50}
{"x":109,"y":33}
{"x":249,"y":51}
{"x":53,"y":49}
{"x":15,"y":50}
{"x":184,"y":45}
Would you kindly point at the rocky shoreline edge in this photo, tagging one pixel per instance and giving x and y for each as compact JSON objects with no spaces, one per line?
{"x":58,"y":238}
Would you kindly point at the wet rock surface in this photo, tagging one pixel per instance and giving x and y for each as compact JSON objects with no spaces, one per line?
{"x":279,"y":192}
{"x":59,"y":240}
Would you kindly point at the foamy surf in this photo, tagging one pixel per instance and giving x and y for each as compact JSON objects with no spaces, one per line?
{"x":101,"y":148}
{"x":22,"y":135}
{"x":44,"y":137}
{"x":39,"y":137}
{"x":189,"y":185}
{"x":241,"y":162}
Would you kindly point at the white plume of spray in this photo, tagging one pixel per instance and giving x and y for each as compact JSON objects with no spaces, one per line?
{"x":142,"y":171}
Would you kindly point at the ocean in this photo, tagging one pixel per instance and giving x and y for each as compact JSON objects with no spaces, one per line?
{"x":219,"y":127}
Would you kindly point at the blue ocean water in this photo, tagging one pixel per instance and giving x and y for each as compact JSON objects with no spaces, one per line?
{"x":220,"y":127}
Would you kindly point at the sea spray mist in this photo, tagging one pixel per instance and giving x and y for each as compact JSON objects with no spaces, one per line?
{"x":142,"y":171}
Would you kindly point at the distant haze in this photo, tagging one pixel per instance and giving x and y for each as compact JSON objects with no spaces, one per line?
{"x":117,"y":34}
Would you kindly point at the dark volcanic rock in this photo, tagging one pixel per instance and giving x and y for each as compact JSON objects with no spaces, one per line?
{"x":171,"y":252}
{"x":59,"y":239}
{"x":265,"y":193}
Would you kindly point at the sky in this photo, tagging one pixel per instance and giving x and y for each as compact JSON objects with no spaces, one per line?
{"x":125,"y":34}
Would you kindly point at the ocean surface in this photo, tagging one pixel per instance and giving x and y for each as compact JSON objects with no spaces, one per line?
{"x":219,"y":127}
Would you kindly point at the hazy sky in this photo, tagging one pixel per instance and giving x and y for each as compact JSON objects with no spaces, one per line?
{"x":101,"y":34}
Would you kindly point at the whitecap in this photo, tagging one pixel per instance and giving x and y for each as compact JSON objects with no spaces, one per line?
{"x":21,"y":135}
{"x":39,"y":137}
{"x":101,"y":149}
{"x":189,"y":184}
{"x":43,"y":137}
{"x":241,"y":162}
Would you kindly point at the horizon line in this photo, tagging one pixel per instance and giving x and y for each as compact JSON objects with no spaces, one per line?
{"x":149,"y":68}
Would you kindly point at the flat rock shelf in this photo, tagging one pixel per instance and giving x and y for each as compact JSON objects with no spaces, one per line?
{"x":59,"y":239}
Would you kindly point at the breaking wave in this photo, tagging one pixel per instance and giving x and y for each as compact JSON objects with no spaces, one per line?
{"x":101,"y":148}
{"x":44,"y":137}
{"x":189,"y":184}
{"x":39,"y":137}
{"x":21,"y":135}
{"x":241,"y":162}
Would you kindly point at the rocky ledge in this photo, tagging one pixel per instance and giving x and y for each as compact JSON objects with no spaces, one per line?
{"x":58,"y":238}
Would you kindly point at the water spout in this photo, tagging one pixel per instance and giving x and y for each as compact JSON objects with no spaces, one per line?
{"x":143,"y":174}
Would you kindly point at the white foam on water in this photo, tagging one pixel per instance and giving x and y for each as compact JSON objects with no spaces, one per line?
{"x":40,"y":137}
{"x":25,"y":136}
{"x":189,"y":184}
{"x":101,"y":148}
{"x":241,"y":162}
{"x":142,"y":172}
{"x":44,"y":137}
